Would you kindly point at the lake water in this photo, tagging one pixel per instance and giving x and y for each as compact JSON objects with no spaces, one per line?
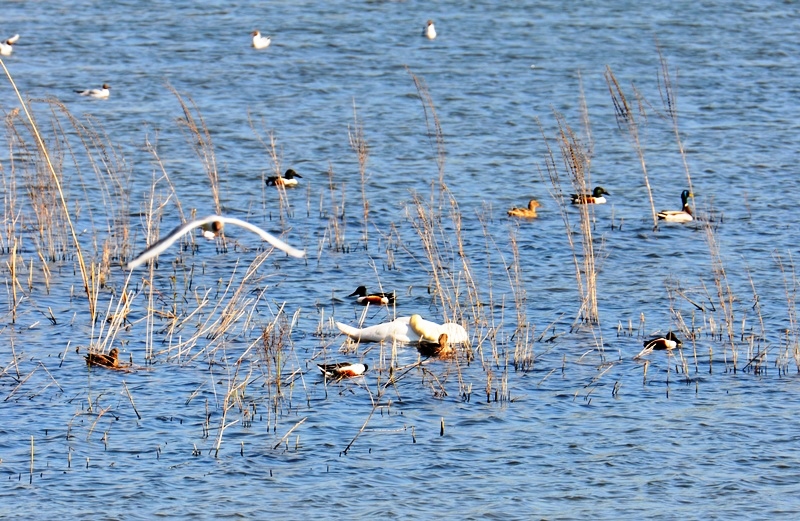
{"x":579,"y":428}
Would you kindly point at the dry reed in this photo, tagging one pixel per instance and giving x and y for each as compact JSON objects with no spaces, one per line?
{"x":199,"y":138}
{"x":576,"y":161}
{"x":360,"y":147}
{"x":42,"y":149}
{"x":627,"y":119}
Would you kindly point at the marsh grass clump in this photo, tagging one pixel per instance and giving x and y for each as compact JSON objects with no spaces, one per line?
{"x":200,"y":140}
{"x":576,"y":161}
{"x":359,"y":145}
{"x":790,"y":339}
{"x":337,"y":223}
{"x":725,"y":296}
{"x":44,"y":161}
{"x":523,"y":358}
{"x":274,"y":344}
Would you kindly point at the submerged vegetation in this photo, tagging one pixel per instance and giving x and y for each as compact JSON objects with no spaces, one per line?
{"x":232,"y":323}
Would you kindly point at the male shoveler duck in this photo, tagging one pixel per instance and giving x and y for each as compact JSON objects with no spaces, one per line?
{"x":668,"y":341}
{"x":429,"y":31}
{"x":110,"y":360}
{"x":102,"y":93}
{"x":288,"y":179}
{"x":596,"y":197}
{"x":400,"y":330}
{"x":376,"y":299}
{"x":212,"y":227}
{"x":684,"y":215}
{"x":342,"y":370}
{"x":6,"y":46}
{"x":529,"y":212}
{"x":440,"y":348}
{"x":260,"y":42}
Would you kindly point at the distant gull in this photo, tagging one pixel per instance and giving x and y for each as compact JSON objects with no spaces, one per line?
{"x":96,"y":93}
{"x":6,"y":46}
{"x":260,"y":42}
{"x":212,"y":227}
{"x":430,"y":30}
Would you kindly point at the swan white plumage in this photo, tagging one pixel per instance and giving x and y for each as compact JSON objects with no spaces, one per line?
{"x":397,"y":330}
{"x":404,"y":330}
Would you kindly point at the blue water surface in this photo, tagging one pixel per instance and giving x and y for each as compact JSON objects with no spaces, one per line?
{"x":232,"y":419}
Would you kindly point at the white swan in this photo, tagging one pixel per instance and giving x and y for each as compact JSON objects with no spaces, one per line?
{"x":397,"y":330}
{"x":405,"y":330}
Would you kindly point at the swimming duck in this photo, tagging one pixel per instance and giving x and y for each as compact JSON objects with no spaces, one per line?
{"x":684,"y":215}
{"x":96,"y":93}
{"x":212,"y":227}
{"x":109,"y":360}
{"x":288,"y":179}
{"x":668,"y":341}
{"x":6,"y":46}
{"x":342,"y":370}
{"x":596,"y":197}
{"x":440,"y":348}
{"x":260,"y":42}
{"x":376,"y":299}
{"x":529,"y":212}
{"x":429,"y":31}
{"x":400,"y":331}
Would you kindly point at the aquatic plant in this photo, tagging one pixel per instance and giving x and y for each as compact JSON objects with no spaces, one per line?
{"x":627,"y":119}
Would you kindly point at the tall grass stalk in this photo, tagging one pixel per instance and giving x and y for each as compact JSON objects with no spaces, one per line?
{"x":360,"y":147}
{"x":790,"y":283}
{"x":667,"y":87}
{"x":111,"y":179}
{"x":576,"y":161}
{"x":9,"y":187}
{"x":627,"y":119}
{"x":336,"y":221}
{"x":200,"y":140}
{"x":725,"y":295}
{"x":432,"y":124}
{"x":276,"y":158}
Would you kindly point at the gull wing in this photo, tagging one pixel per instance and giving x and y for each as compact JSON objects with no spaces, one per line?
{"x":162,"y":244}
